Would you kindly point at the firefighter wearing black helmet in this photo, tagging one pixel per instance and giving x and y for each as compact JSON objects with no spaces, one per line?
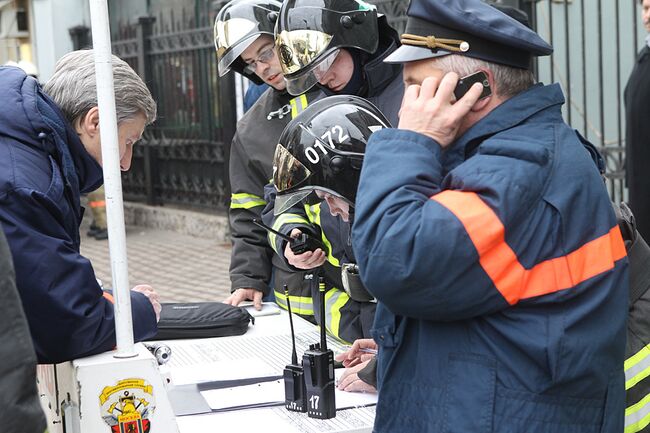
{"x":339,"y":47}
{"x":243,"y":32}
{"x":320,"y":154}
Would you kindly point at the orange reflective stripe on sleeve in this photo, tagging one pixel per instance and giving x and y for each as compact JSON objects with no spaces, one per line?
{"x":501,"y":264}
{"x":109,"y":297}
{"x":97,"y":203}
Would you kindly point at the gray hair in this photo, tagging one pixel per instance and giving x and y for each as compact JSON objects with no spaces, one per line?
{"x":73,"y":88}
{"x":509,"y":81}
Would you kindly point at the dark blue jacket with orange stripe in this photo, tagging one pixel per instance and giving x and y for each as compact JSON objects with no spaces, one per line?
{"x":501,"y":275}
{"x":43,"y":168}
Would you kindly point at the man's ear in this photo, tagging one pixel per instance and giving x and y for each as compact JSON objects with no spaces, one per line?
{"x":482,"y":103}
{"x":88,"y":124}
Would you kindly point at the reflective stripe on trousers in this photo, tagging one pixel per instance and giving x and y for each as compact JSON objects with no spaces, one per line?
{"x":637,"y":368}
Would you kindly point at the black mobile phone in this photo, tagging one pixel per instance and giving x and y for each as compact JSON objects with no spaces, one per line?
{"x":465,"y":83}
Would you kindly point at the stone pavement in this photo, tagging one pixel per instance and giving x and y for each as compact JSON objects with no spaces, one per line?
{"x":180,"y":267}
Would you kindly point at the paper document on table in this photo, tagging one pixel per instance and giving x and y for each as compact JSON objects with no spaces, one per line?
{"x":231,"y":358}
{"x":268,"y":309}
{"x":345,"y":400}
{"x":278,"y":419}
{"x":350,"y":420}
{"x":247,"y":395}
{"x":273,"y":392}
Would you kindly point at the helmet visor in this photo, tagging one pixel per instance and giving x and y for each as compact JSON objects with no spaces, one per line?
{"x":227,"y":35}
{"x":288,"y":172}
{"x":306,"y":79}
{"x":299,"y":48}
{"x":286,"y":201}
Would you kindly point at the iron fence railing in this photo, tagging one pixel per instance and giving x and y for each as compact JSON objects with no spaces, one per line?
{"x":182,"y":158}
{"x":596,"y":42}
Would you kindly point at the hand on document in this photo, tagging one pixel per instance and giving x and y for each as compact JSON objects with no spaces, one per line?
{"x":350,"y":381}
{"x":355,"y":360}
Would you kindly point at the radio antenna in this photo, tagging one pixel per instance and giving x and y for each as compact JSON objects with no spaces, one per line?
{"x":294,"y":355}
{"x":321,"y":291}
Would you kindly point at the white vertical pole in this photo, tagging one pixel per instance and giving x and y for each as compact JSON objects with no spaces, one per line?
{"x":112,"y":179}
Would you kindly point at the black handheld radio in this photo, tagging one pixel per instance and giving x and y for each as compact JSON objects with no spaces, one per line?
{"x":295,"y":395}
{"x":318,"y":365}
{"x":299,"y":245}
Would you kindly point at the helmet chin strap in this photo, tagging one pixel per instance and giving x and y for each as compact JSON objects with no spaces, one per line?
{"x":350,"y":222}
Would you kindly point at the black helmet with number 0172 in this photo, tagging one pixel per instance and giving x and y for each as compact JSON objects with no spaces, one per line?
{"x":310,"y":33}
{"x":238,"y":24}
{"x":322,"y":149}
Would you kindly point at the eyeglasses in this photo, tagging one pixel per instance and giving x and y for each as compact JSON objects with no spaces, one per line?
{"x":264,"y":57}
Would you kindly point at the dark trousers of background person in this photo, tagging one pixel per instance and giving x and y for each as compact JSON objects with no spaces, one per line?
{"x":97,"y":204}
{"x":20,"y":408}
{"x":637,"y":142}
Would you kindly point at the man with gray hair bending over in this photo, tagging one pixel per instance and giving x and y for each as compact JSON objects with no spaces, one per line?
{"x":50,"y":153}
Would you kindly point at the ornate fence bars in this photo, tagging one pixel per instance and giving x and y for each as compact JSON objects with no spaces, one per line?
{"x":182,"y":159}
{"x":596,"y":43}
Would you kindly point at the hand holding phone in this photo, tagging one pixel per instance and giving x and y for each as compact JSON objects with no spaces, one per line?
{"x":430,"y":108}
{"x":466,"y":83}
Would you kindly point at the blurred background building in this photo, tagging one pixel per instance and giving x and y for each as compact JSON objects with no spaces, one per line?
{"x":15,"y":38}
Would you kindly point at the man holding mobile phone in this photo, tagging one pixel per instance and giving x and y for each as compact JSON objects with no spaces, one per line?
{"x":485,"y":231}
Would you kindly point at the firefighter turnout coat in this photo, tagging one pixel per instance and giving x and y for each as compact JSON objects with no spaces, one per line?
{"x":345,"y":318}
{"x":251,"y":166}
{"x":501,"y":276}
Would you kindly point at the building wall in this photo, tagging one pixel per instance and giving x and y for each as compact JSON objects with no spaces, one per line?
{"x":51,"y":38}
{"x":14,"y":41}
{"x":123,"y":12}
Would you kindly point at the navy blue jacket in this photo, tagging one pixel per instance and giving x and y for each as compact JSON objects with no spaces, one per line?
{"x":501,"y":274}
{"x":43,"y":169}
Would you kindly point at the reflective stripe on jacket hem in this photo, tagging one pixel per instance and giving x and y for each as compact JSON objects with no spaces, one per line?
{"x":245,"y":201}
{"x":299,"y":304}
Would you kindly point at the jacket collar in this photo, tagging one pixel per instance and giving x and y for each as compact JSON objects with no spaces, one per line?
{"x":378,"y":75}
{"x":516,"y":110}
{"x":82,"y":172}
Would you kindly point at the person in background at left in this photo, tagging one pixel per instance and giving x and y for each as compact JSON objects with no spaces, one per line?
{"x":97,"y":204}
{"x":50,"y":153}
{"x":253,"y":93}
{"x":637,"y":140}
